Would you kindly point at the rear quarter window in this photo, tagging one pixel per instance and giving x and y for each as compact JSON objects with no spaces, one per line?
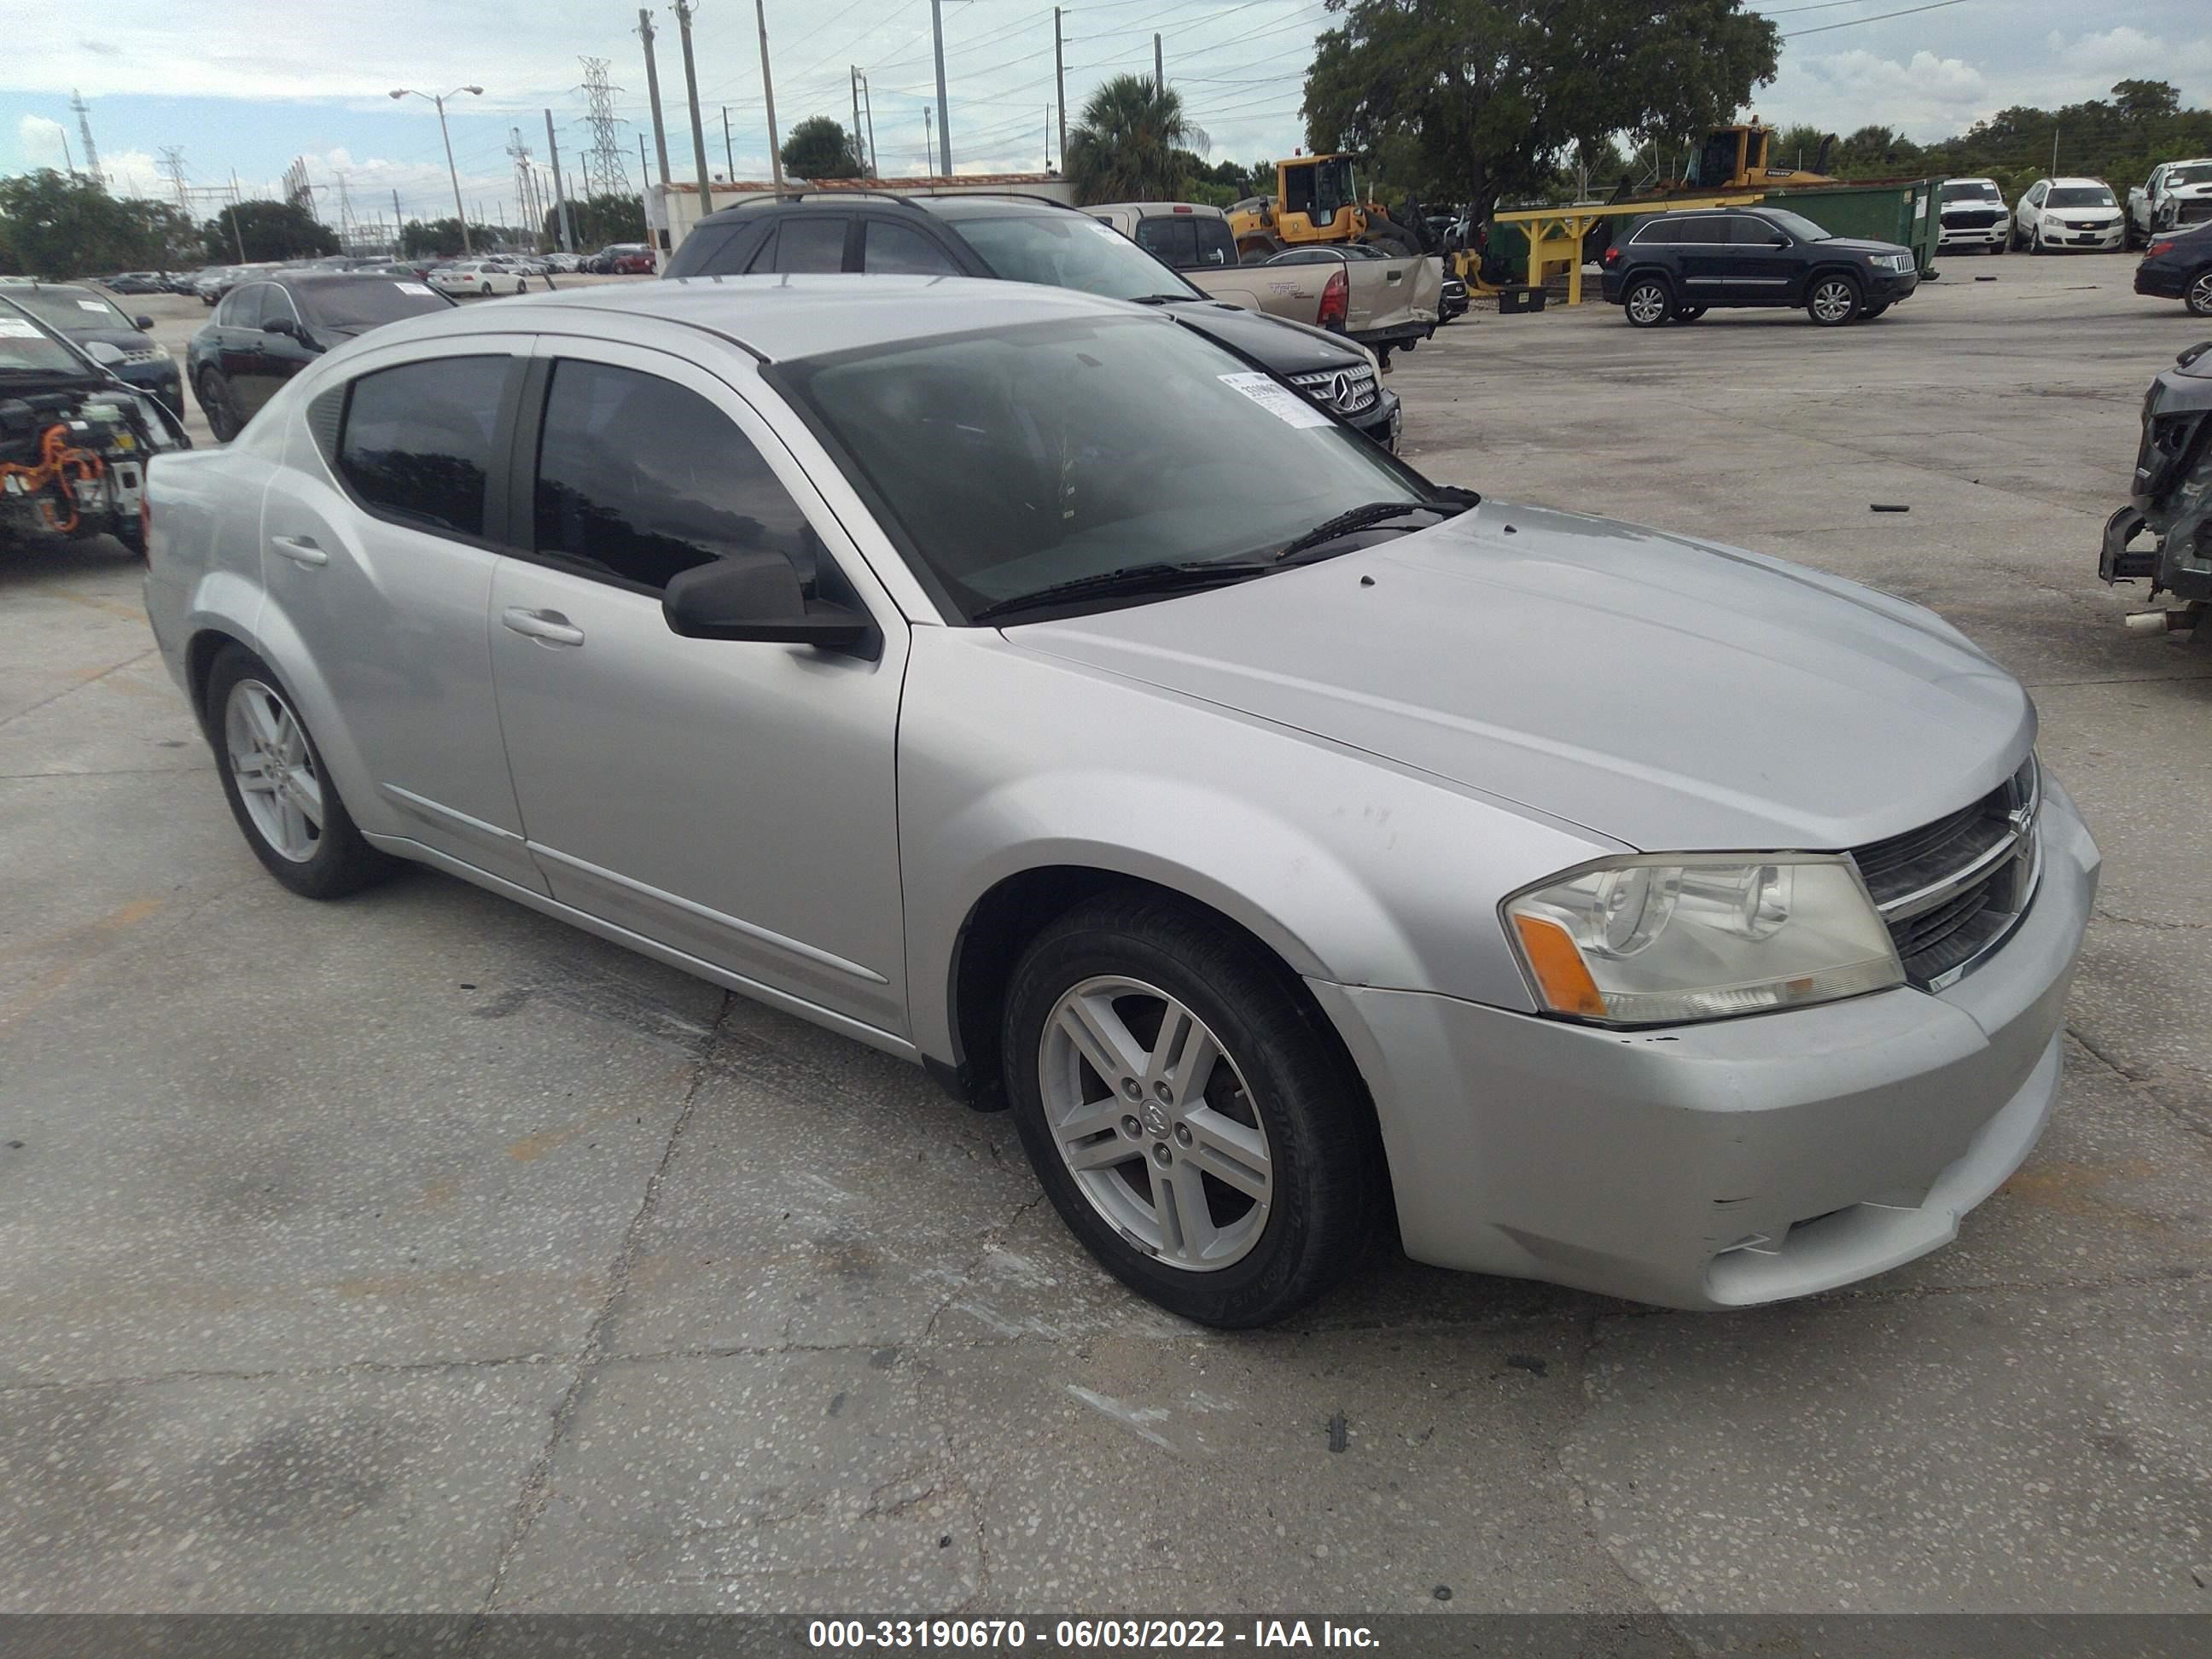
{"x":417,"y":443}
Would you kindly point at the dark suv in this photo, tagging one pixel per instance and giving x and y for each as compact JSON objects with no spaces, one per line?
{"x":1026,"y":239}
{"x":1671,"y":267}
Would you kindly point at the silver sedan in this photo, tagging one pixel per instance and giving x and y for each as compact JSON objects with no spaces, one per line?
{"x":1013,"y":680}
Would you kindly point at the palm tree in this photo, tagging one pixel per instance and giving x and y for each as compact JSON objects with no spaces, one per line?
{"x":1123,"y":149}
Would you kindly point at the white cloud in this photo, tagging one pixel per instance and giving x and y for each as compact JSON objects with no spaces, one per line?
{"x":41,"y":140}
{"x":1924,"y":97}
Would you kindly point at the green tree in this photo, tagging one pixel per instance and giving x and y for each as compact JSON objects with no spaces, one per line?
{"x":820,"y":149}
{"x":1127,"y":145}
{"x":441,"y":238}
{"x":2147,"y":100}
{"x":266,"y":230}
{"x":598,"y":220}
{"x":56,"y":224}
{"x":1491,"y":93}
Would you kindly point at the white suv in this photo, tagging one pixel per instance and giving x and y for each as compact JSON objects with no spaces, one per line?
{"x":1973,"y":216}
{"x":2066,"y":213}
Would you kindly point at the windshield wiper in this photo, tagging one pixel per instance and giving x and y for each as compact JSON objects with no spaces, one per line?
{"x":1164,"y":299}
{"x":1157,"y":578}
{"x":1374,"y":515}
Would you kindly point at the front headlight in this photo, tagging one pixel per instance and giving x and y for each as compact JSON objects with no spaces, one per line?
{"x":163,"y":352}
{"x":1661,"y":940}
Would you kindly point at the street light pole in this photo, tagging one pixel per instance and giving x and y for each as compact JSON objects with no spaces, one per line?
{"x":452,"y":172}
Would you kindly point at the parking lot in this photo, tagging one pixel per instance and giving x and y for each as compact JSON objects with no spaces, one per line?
{"x":417,"y":1252}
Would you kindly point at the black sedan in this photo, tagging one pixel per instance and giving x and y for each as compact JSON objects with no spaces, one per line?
{"x":135,"y":281}
{"x":118,"y":344}
{"x":2178,"y":265}
{"x":268,"y":330}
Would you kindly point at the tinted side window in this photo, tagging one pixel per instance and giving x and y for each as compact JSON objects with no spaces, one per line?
{"x":806,"y":243}
{"x":417,"y":439}
{"x":764,"y":256}
{"x":1744,"y":231}
{"x":1216,"y":246}
{"x":901,"y":249}
{"x":1701,"y":231}
{"x":639,"y":478}
{"x":1170,"y":240}
{"x":244,"y":306}
{"x":1664,"y":232}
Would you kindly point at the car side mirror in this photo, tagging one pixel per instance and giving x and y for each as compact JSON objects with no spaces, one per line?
{"x":143,"y":325}
{"x":281,"y":325}
{"x":757,"y":596}
{"x":1778,"y":240}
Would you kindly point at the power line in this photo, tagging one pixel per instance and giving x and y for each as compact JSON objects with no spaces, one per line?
{"x":1881,"y":17}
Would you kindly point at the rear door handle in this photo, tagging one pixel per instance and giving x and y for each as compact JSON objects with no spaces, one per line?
{"x":301,"y":550}
{"x":550,"y":626}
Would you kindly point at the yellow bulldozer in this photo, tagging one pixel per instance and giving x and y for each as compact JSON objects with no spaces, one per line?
{"x":1316,"y":200}
{"x":1736,"y":158}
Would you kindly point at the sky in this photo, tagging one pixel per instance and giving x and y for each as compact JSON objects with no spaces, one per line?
{"x":243,"y":87}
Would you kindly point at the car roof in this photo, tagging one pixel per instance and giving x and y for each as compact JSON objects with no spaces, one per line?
{"x":779,"y":317}
{"x":1160,"y":210}
{"x":2095,"y":183}
{"x":977,"y":206}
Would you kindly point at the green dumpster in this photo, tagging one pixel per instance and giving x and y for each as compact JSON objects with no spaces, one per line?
{"x":1903,"y":210}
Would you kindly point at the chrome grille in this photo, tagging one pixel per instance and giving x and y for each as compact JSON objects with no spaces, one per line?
{"x":149,"y":354}
{"x":1344,"y":390}
{"x":1952,"y":890}
{"x":1969,"y":218}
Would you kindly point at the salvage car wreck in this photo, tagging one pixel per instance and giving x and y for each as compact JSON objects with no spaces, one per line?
{"x":2171,"y":497}
{"x":74,"y":441}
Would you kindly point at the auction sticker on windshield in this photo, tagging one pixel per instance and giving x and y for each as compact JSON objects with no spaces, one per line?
{"x":1279,"y":401}
{"x":16,"y":329}
{"x":412,"y":288}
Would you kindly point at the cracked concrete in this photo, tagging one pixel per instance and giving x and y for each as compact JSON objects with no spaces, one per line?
{"x":418,"y":1254}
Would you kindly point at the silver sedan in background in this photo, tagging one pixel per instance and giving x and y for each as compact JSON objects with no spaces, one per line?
{"x":1010,"y":680}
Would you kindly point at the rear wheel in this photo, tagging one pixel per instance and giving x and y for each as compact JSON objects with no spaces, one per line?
{"x":1873,"y":312}
{"x":2198,"y":298}
{"x":219,"y":404}
{"x":1188,"y":1120}
{"x":278,"y":789}
{"x":1647,"y":303}
{"x":1833,"y":301}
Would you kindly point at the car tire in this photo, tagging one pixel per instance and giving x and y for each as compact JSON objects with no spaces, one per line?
{"x":1873,"y":312}
{"x":1688,"y":313}
{"x":296,"y":824}
{"x":1647,"y":303}
{"x":1834,"y":300}
{"x":2035,"y":241}
{"x":1144,"y":983}
{"x":219,"y":405}
{"x":2197,"y":296}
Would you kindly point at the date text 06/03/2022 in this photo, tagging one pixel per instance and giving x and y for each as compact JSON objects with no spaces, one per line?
{"x":1085,"y":1635}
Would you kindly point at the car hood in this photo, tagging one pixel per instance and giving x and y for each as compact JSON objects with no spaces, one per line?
{"x":1665,"y":693}
{"x":122,"y":339}
{"x":1860,"y":245}
{"x":1285,"y":347}
{"x":2191,"y":191}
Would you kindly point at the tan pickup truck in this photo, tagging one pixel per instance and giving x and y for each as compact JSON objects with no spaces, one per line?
{"x":1385,"y":304}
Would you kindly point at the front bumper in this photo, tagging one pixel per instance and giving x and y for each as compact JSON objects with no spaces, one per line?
{"x":1886,"y":288}
{"x":2097,"y":241}
{"x":1734,"y":1163}
{"x":1972,"y":235}
{"x":1383,"y":419}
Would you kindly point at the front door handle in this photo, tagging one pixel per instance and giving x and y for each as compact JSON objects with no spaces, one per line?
{"x":301,"y":550}
{"x":550,"y":626}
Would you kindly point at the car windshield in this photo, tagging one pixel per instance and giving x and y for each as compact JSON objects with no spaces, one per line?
{"x":2080,"y":196}
{"x":2189,"y":173}
{"x":26,"y":348}
{"x":1027,"y":457}
{"x":1974,"y":191}
{"x":70,"y":307}
{"x":1069,"y":250}
{"x":1795,"y":223}
{"x":361,"y":302}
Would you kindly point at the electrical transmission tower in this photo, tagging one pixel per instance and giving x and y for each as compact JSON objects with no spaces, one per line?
{"x":349,"y":233}
{"x":525,"y":189}
{"x":297,"y":191}
{"x":173,"y":170}
{"x":606,"y":172}
{"x":85,"y":131}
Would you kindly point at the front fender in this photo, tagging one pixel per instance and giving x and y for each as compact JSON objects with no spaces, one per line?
{"x":1352,"y":868}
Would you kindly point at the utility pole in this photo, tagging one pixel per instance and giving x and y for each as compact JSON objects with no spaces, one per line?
{"x":928,"y":143}
{"x":1047,"y":137}
{"x":944,"y":114}
{"x":856,"y":118}
{"x":1059,"y":85}
{"x":729,"y":155}
{"x":236,"y":235}
{"x":644,"y":173}
{"x":768,"y":94}
{"x":1160,"y":75}
{"x":560,"y":190}
{"x":868,"y":107}
{"x":398,"y":229}
{"x":652,"y":93}
{"x":691,"y":93}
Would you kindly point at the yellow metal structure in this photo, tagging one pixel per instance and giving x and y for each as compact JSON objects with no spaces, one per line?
{"x":1555,"y":235}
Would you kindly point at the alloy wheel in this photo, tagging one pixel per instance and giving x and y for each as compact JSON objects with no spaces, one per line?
{"x":2199,"y":300}
{"x":1153,"y":1118}
{"x":1647,"y":303}
{"x":275,"y":769}
{"x":1834,"y":300}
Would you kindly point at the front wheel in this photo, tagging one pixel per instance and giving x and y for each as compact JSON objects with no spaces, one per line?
{"x":1647,"y":303}
{"x":1190,"y":1121}
{"x":1833,"y":302}
{"x":2198,"y":298}
{"x":279,"y":790}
